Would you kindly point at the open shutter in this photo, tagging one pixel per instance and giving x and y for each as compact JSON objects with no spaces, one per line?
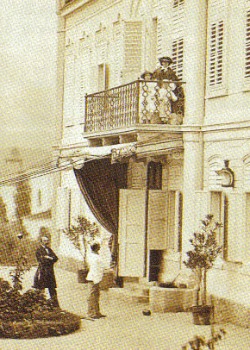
{"x":62,"y":208}
{"x":132,"y":233}
{"x":157,"y":220}
{"x":235,"y":227}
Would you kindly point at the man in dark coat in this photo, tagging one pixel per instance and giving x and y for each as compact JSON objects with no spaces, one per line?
{"x":45,"y":276}
{"x":165,"y":72}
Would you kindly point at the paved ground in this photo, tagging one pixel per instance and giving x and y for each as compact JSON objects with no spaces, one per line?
{"x":125,"y":327}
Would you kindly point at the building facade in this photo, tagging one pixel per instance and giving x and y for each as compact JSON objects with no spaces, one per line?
{"x":168,"y":174}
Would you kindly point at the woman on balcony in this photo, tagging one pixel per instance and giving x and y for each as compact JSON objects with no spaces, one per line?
{"x":165,"y":72}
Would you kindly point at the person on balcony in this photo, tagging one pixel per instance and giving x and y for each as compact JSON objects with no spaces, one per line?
{"x":147,"y":98}
{"x":165,"y":72}
{"x":166,"y":97}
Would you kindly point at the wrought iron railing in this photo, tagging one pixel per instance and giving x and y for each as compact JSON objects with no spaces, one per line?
{"x":139,"y":102}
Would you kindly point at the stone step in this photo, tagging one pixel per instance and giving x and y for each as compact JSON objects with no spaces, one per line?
{"x":128,"y":294}
{"x":143,"y":299}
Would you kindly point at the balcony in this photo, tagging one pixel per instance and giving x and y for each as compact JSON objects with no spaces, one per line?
{"x":139,"y":102}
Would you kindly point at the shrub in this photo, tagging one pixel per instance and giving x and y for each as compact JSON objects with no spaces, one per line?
{"x":31,"y":315}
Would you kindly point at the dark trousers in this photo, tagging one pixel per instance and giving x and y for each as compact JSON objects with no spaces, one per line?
{"x":93,"y":299}
{"x":53,"y":296}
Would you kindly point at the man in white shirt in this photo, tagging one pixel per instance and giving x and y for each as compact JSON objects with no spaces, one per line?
{"x":94,"y":277}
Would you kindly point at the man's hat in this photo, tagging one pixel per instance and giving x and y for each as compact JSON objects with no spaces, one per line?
{"x":165,"y":58}
{"x":146,"y":72}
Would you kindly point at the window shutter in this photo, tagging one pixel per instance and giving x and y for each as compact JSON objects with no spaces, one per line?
{"x":177,"y":56}
{"x":157,"y":220}
{"x":132,"y":233}
{"x":216,"y":55}
{"x":174,"y":220}
{"x":247,"y":46}
{"x":132,"y":50}
{"x":216,"y":72}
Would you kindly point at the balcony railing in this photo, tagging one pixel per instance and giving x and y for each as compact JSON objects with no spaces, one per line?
{"x":140,"y":102}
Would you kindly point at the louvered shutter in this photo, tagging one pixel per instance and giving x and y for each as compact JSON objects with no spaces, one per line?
{"x":132,"y":233}
{"x":247,"y":44}
{"x":132,"y":50}
{"x":216,"y":77}
{"x":157,"y":220}
{"x":177,"y":56}
{"x":216,"y":55}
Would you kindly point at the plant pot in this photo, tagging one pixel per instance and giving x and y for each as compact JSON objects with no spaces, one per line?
{"x":202,"y":315}
{"x":81,"y":275}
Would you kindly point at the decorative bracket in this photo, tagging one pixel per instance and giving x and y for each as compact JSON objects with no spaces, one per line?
{"x":227,"y":175}
{"x":118,"y":155}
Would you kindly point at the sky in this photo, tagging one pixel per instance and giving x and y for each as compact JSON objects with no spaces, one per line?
{"x":28,"y":36}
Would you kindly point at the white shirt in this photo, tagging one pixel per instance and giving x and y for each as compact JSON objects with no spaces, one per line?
{"x":96,"y":268}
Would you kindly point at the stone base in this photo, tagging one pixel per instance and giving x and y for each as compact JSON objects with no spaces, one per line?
{"x":228,"y":311}
{"x":170,"y":299}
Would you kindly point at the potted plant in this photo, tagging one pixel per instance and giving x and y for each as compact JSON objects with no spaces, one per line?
{"x":81,"y":234}
{"x":201,"y":259}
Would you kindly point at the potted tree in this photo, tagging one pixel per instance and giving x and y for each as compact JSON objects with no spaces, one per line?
{"x":201,"y":259}
{"x":81,"y":234}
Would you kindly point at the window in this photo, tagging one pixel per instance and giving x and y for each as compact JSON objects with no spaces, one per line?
{"x":216,"y":54}
{"x":154,"y":176}
{"x":177,"y":56}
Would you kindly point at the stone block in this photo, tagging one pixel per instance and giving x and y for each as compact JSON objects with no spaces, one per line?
{"x":170,"y":299}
